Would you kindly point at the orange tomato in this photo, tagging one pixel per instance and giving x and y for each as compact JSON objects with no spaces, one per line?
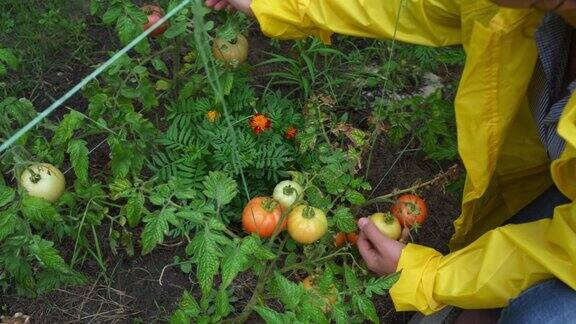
{"x":339,"y":239}
{"x":261,"y":215}
{"x":352,"y":238}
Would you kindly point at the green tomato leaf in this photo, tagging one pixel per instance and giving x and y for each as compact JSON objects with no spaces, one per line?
{"x":7,"y":56}
{"x":380,"y":285}
{"x":269,"y":315}
{"x":111,"y":14}
{"x":339,"y":314}
{"x":155,"y":229}
{"x":179,"y":317}
{"x":39,"y":211}
{"x":220,"y":187}
{"x":79,"y":158}
{"x":134,"y":209}
{"x":231,"y":265}
{"x":206,"y":254}
{"x":344,"y":220}
{"x":354,"y":197}
{"x":351,"y":280}
{"x":177,"y":27}
{"x":8,"y":223}
{"x":290,"y":293}
{"x":6,"y":195}
{"x":222,"y":302}
{"x":71,"y":122}
{"x":366,"y":307}
{"x":48,"y":256}
{"x":159,"y":65}
{"x":189,"y":305}
{"x":310,"y":312}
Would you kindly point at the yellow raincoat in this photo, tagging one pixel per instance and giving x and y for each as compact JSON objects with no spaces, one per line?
{"x":506,"y":164}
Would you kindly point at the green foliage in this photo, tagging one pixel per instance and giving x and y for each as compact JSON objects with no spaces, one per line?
{"x":164,"y":152}
{"x":7,"y":60}
{"x":430,"y":120}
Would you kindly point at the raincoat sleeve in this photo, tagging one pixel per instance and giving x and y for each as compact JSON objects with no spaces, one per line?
{"x":492,"y":270}
{"x":424,"y":22}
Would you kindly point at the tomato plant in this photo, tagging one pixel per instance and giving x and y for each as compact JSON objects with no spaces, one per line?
{"x":410,"y":210}
{"x":307,"y":224}
{"x":261,"y":216}
{"x":387,"y":224}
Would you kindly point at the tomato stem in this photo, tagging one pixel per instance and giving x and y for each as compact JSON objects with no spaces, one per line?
{"x":308,"y":212}
{"x":269,"y":204}
{"x":288,"y":190}
{"x":388,"y":197}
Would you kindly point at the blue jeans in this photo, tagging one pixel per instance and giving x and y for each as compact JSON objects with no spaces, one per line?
{"x":550,"y":301}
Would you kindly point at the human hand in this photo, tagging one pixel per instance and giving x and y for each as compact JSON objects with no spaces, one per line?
{"x":380,"y":252}
{"x":240,"y":5}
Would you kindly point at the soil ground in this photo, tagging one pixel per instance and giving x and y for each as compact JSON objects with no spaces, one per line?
{"x":146,"y":289}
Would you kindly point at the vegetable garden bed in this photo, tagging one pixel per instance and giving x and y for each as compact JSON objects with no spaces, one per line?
{"x":163,"y":150}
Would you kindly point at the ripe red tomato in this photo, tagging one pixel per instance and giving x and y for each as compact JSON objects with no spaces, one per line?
{"x":154,"y":14}
{"x":339,"y":239}
{"x":261,"y":215}
{"x":409,"y":210}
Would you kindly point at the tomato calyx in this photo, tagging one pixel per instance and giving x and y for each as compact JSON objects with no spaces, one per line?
{"x":289,"y":190}
{"x":269,"y":204}
{"x":35,"y":177}
{"x":388,"y":218}
{"x":413,"y":208}
{"x":308,"y":212}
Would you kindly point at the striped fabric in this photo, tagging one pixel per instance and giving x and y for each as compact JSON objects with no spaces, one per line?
{"x":545,"y":95}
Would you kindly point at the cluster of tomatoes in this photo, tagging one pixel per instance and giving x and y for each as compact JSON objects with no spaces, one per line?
{"x":409,"y":211}
{"x":231,"y":52}
{"x":265,"y":215}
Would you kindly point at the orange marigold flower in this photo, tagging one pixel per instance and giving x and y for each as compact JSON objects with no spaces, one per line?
{"x":212,"y":115}
{"x":291,"y":133}
{"x":259,"y":123}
